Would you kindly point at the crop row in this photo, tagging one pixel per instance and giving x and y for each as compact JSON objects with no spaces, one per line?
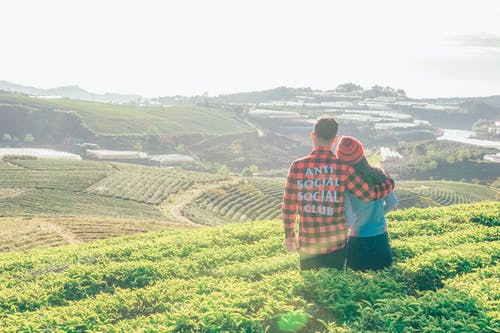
{"x":11,"y":192}
{"x":69,"y":203}
{"x":259,"y":301}
{"x":20,"y":234}
{"x":75,"y":181}
{"x":88,"y":229}
{"x":4,"y":165}
{"x":450,"y":193}
{"x":446,"y":198}
{"x":152,"y":186}
{"x":23,"y":234}
{"x":245,"y":201}
{"x":147,"y":188}
{"x":54,"y":164}
{"x":81,"y":281}
{"x":204,"y":251}
{"x":239,"y":278}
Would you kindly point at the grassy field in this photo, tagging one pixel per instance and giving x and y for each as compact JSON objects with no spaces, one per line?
{"x":239,"y":278}
{"x":113,"y":119}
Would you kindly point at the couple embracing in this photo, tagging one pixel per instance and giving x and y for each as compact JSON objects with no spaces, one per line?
{"x":341,"y":201}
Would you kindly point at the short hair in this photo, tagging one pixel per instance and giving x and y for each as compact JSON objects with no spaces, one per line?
{"x":326,"y":127}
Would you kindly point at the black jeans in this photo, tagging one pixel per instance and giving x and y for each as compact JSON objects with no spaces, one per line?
{"x":369,"y":252}
{"x":335,"y":259}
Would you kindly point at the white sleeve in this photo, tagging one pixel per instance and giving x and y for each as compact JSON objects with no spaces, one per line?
{"x":351,"y":217}
{"x":391,"y":202}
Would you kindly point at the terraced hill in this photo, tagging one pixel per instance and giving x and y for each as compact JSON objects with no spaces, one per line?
{"x":245,"y":201}
{"x":444,"y":193}
{"x":255,"y":199}
{"x":54,"y":202}
{"x":87,"y":188}
{"x":238,"y":278}
{"x":48,"y":202}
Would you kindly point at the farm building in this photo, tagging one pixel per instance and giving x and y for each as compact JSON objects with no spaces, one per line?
{"x":118,"y":156}
{"x":492,"y":158}
{"x":37,"y":153}
{"x":170,"y":159}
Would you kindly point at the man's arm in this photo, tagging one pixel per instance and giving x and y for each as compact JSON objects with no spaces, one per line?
{"x":289,"y":208}
{"x":362,"y":190}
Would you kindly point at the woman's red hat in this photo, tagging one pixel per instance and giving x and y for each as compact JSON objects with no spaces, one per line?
{"x":350,"y":150}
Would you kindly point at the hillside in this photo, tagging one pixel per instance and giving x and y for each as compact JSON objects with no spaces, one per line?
{"x":212,"y":133}
{"x":238,"y":278}
{"x":442,"y":160}
{"x":114,"y":119}
{"x":74,"y":92}
{"x":218,"y":131}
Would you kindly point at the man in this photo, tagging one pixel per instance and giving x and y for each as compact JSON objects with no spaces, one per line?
{"x":315,"y":189}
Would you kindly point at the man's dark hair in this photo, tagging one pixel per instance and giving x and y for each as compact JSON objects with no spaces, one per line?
{"x":326,"y":127}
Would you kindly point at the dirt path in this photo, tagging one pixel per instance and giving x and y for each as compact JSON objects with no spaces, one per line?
{"x":66,"y":235}
{"x":172,"y":207}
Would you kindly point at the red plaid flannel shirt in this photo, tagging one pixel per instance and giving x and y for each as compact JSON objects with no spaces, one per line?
{"x":315,"y":189}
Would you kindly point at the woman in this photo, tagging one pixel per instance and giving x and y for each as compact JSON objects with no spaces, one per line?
{"x":368,"y":244}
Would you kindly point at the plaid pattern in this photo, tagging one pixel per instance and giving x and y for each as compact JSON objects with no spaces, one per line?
{"x":315,"y":189}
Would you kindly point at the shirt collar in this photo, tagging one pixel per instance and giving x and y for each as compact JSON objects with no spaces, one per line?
{"x":322,"y":150}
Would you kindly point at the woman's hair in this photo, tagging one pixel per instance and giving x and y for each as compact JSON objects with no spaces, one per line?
{"x":370,"y":174}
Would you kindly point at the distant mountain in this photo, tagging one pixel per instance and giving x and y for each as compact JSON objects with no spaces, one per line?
{"x":73,"y":92}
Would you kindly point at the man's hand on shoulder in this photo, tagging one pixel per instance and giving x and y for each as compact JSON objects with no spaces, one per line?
{"x":291,"y":244}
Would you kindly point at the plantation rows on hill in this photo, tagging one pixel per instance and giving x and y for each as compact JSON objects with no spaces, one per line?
{"x":107,"y":193}
{"x":49,"y":202}
{"x":257,"y":199}
{"x":239,"y":278}
{"x":18,"y":234}
{"x":69,"y":203}
{"x":245,"y":201}
{"x":88,"y":188}
{"x":448,"y":193}
{"x":24,"y":233}
{"x":14,"y":175}
{"x":150,"y":185}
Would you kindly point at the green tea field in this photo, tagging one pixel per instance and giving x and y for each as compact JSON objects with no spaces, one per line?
{"x":55,"y":202}
{"x":239,"y":278}
{"x":256,"y":199}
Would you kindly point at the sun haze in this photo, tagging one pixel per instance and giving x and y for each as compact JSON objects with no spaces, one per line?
{"x":158,"y":48}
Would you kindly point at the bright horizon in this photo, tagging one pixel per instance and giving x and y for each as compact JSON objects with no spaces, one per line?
{"x":152,"y":48}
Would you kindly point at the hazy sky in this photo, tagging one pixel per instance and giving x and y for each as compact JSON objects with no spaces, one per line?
{"x":157,"y":48}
